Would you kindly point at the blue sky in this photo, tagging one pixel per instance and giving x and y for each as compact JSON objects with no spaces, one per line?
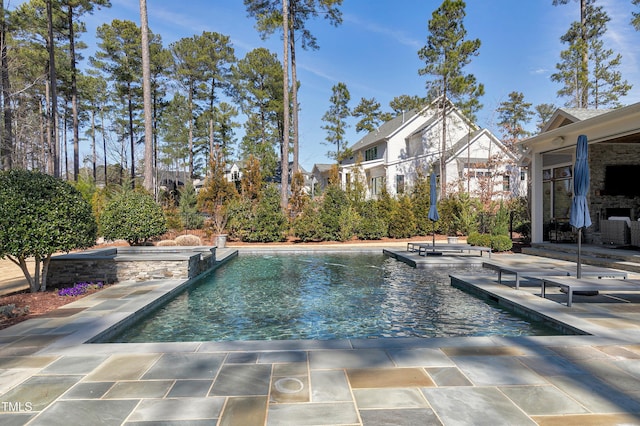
{"x":374,"y":51}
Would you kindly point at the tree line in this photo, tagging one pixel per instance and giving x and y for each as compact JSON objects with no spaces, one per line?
{"x":198,"y":90}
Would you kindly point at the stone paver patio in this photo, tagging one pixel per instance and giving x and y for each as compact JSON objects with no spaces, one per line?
{"x":50,"y":376}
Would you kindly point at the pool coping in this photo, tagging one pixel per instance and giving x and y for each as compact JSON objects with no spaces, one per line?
{"x":45,"y":350}
{"x":99,"y":317}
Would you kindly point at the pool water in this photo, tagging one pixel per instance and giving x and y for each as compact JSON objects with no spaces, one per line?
{"x":325,"y":296}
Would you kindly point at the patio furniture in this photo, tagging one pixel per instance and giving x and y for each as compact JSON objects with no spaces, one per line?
{"x":522,"y":271}
{"x":537,"y":273}
{"x":572,"y":285}
{"x":424,"y":248}
{"x":635,"y":233}
{"x":615,"y":230}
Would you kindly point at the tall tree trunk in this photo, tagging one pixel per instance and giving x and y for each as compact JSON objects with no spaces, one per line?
{"x":294,"y":100}
{"x":74,"y":97}
{"x":443,"y":159}
{"x":284,"y":181}
{"x":104,"y":144}
{"x":43,"y":134}
{"x":6,"y":144}
{"x":190,"y":102}
{"x":51,"y":157}
{"x":54,"y":91}
{"x":132,"y":138}
{"x":63,"y":141}
{"x":94,"y":156}
{"x":146,"y":87}
{"x":213,"y":149}
{"x":155,"y":144}
{"x":584,"y":100}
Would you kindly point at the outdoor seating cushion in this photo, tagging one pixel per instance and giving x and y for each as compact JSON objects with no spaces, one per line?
{"x":625,"y":218}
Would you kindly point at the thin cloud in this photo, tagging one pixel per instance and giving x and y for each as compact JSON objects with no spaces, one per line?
{"x":400,"y":36}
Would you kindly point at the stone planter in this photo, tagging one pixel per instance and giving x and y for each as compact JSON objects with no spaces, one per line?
{"x":452,"y":240}
{"x":221,"y":240}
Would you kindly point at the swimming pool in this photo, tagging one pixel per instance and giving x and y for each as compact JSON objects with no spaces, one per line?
{"x":325,"y":296}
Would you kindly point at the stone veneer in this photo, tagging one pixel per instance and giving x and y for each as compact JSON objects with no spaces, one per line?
{"x":601,"y":156}
{"x":130,"y":263}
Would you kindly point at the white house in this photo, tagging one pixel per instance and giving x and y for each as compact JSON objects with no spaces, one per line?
{"x":614,"y":164}
{"x":475,"y":160}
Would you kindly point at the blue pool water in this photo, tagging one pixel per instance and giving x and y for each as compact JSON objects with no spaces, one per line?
{"x":332,"y":296}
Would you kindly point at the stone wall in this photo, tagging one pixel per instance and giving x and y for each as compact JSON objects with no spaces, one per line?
{"x":130,"y":263}
{"x":601,"y":156}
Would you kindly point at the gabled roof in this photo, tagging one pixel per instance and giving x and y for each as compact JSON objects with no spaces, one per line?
{"x":565,"y":116}
{"x":385,"y":130}
{"x":470,"y":138}
{"x":321,"y":168}
{"x":609,"y":125}
{"x":391,"y":127}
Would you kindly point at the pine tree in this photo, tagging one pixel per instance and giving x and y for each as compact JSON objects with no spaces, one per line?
{"x":119,"y":58}
{"x":335,"y":118}
{"x":445,"y":55}
{"x":513,"y":115}
{"x":259,"y":92}
{"x":544,"y":113}
{"x":368,"y":110}
{"x":406,"y":103}
{"x":268,"y":14}
{"x":588,"y":71}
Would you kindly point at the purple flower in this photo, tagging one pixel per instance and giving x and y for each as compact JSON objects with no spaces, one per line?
{"x":79,"y":288}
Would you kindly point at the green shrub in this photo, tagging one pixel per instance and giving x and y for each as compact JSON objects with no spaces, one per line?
{"x":386,"y":206}
{"x":241,"y":218}
{"x":333,"y":202}
{"x":501,"y":221}
{"x":188,"y":207}
{"x":307,"y":226}
{"x":372,"y":226}
{"x":420,"y":202}
{"x":402,"y":223}
{"x":501,"y":243}
{"x":270,"y":223}
{"x":477,"y":239}
{"x":41,"y":215}
{"x":349,"y":220}
{"x":133,"y":216}
{"x":466,"y":218}
{"x":449,"y":209}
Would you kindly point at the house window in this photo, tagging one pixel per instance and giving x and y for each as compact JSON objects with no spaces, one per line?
{"x":400,"y":184}
{"x":377,"y":184}
{"x":557,"y":192}
{"x":371,"y":154}
{"x":523,"y":175}
{"x":506,"y":183}
{"x":235,"y":176}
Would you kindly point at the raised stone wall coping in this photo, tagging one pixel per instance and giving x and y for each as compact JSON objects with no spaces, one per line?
{"x":127,"y":254}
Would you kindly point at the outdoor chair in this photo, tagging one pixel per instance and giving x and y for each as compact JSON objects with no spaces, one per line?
{"x":615,"y":231}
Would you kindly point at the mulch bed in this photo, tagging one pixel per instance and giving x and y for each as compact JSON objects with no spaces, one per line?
{"x":32,"y":305}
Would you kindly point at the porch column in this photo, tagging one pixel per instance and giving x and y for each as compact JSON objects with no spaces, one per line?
{"x":537,"y":225}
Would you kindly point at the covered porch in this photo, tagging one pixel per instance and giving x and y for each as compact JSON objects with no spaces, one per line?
{"x":614,"y":163}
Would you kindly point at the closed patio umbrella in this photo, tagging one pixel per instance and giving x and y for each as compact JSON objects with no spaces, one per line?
{"x":433,"y":208}
{"x":580,"y":217}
